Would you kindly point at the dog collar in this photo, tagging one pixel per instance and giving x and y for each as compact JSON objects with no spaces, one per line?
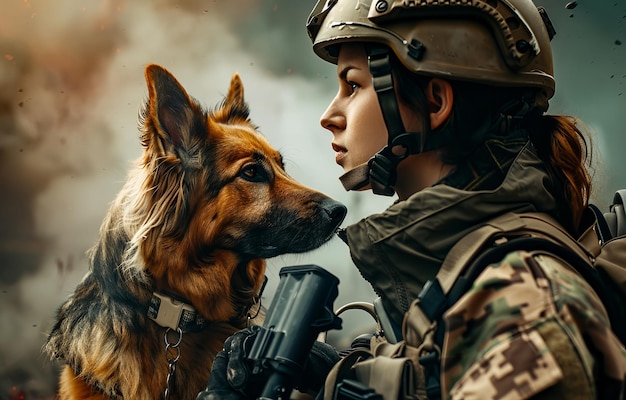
{"x":175,"y":314}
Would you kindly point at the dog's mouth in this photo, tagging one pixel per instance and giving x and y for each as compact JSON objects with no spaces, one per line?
{"x":296,"y":237}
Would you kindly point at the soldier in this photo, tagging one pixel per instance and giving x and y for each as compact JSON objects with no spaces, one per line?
{"x":443,"y":103}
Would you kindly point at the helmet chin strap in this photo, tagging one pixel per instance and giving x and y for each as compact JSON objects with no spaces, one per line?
{"x":382,"y":167}
{"x":380,"y":170}
{"x":357,"y":178}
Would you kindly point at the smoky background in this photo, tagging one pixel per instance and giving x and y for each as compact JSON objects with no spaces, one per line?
{"x":71,"y":85}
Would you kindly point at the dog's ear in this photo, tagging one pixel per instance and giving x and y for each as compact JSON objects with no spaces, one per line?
{"x":171,"y":113}
{"x":235,"y":91}
{"x":235,"y":107}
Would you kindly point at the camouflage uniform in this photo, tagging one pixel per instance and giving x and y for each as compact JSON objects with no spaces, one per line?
{"x":529,"y":327}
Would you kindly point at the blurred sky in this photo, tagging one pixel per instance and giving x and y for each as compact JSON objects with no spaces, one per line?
{"x":71,"y":85}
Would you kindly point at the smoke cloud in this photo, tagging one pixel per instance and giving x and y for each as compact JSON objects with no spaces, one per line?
{"x":71,"y":84}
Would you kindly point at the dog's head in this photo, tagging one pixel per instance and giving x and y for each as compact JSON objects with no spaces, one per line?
{"x":212,"y":199}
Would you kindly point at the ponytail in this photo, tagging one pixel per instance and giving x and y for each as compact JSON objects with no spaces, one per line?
{"x":558,"y":141}
{"x":565,"y":151}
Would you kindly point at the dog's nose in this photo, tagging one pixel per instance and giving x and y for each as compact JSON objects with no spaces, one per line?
{"x":335,"y":210}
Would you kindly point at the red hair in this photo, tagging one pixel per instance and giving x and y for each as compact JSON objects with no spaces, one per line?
{"x":566,"y":152}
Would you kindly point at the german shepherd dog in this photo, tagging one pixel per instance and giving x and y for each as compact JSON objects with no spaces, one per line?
{"x":180,"y":258}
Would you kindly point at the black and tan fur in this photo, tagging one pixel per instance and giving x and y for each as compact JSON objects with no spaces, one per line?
{"x":207,"y":202}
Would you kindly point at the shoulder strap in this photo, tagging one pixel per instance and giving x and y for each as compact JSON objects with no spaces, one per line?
{"x":616,"y":217}
{"x":613,"y":223}
{"x":492,"y":234}
{"x":509,"y":225}
{"x":479,"y":248}
{"x":603,"y":229}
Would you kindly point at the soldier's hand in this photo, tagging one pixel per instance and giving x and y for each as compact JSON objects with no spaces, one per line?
{"x":230,"y":374}
{"x":231,"y":377}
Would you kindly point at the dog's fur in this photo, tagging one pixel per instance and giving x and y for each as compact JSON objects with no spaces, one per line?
{"x":207,"y":202}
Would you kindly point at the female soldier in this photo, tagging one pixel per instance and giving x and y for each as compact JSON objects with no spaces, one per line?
{"x":443,"y":103}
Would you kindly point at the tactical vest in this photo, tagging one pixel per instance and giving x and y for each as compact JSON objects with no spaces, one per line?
{"x":410,"y":369}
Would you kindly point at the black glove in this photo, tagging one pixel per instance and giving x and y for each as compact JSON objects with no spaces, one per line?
{"x":231,"y":377}
{"x":319,"y":363}
{"x":231,"y":369}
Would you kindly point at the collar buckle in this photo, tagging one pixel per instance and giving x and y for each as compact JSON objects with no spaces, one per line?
{"x":168,"y":312}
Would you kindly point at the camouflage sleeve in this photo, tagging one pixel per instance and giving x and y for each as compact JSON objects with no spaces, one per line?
{"x":530,"y":328}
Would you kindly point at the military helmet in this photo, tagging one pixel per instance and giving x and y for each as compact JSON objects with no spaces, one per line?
{"x":495,"y":42}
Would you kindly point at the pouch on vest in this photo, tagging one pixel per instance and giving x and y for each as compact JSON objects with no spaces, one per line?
{"x":387,"y":371}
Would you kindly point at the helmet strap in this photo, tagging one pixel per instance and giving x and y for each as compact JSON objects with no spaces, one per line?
{"x":382,"y":167}
{"x":357,"y":178}
{"x":380,"y":171}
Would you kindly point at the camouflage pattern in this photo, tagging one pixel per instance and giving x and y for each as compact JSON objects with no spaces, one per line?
{"x":529,"y":327}
{"x":528,"y":324}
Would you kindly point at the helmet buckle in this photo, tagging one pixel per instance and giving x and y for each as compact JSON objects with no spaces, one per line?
{"x":382,"y":172}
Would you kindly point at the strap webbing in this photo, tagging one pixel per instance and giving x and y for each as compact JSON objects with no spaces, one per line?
{"x":538,"y":224}
{"x":357,"y":178}
{"x":380,"y":68}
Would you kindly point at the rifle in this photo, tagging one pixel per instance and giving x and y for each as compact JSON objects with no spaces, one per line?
{"x":301,"y":309}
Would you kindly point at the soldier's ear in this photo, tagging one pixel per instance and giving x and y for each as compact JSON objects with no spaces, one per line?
{"x":440,"y":98}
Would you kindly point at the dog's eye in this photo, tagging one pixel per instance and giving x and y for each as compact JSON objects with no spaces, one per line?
{"x":253,"y":173}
